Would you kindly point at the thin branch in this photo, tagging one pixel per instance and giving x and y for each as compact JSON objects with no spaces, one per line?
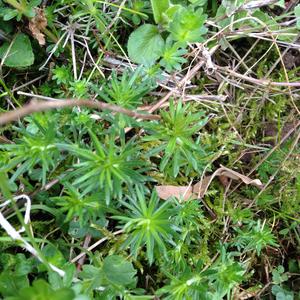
{"x":36,"y":106}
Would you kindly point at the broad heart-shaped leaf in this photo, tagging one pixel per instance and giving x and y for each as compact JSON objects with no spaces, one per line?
{"x":145,"y":45}
{"x":20,"y":54}
{"x":118,"y":270}
{"x":159,"y":7}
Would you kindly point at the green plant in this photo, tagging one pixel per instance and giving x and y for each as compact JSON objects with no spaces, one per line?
{"x":76,"y":206}
{"x":297,"y":14}
{"x":147,"y":224}
{"x":127,"y":90}
{"x":278,"y":275}
{"x":116,"y":277}
{"x":139,"y":11}
{"x":79,"y":215}
{"x":42,"y":290}
{"x":172,"y":56}
{"x":184,"y":24}
{"x":35,"y":152}
{"x":145,"y":45}
{"x":79,"y":88}
{"x":281,"y":293}
{"x":175,"y":137}
{"x":214,"y":283}
{"x":159,"y":8}
{"x":62,"y":74}
{"x":187,"y":25}
{"x":106,"y":167}
{"x":20,"y":8}
{"x":255,"y":237}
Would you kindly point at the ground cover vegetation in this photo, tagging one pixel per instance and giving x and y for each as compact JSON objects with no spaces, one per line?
{"x":149,"y":149}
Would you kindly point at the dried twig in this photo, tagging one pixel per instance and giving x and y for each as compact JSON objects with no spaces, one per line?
{"x":36,"y":106}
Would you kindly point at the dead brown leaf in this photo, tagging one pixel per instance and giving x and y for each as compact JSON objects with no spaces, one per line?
{"x":37,"y":24}
{"x":167,"y":191}
{"x":200,"y":188}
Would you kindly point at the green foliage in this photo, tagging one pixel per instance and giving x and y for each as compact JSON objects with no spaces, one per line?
{"x":175,"y":136}
{"x":214,"y":283}
{"x":19,"y":53}
{"x":255,"y":237}
{"x":126,"y":91}
{"x":35,"y":152}
{"x":145,"y":44}
{"x":281,"y":293}
{"x":107,"y":167}
{"x":297,"y":14}
{"x":147,"y":224}
{"x":115,"y":278}
{"x":232,"y":6}
{"x":119,"y":271}
{"x":141,"y":10}
{"x":172,"y":56}
{"x":187,"y":25}
{"x":61,"y":74}
{"x":278,"y":275}
{"x":91,"y":175}
{"x":41,"y":290}
{"x":12,"y":283}
{"x":20,"y":8}
{"x":159,"y":7}
{"x":79,"y":88}
{"x":75,"y":205}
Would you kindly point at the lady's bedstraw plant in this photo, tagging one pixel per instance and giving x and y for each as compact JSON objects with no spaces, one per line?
{"x":213,"y":284}
{"x":35,"y":152}
{"x":74,"y":205}
{"x":255,"y":237}
{"x":127,"y":90}
{"x":147,"y":223}
{"x":105,"y":167}
{"x":174,"y":135}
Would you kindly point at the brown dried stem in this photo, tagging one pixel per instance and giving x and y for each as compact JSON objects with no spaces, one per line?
{"x":38,"y":106}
